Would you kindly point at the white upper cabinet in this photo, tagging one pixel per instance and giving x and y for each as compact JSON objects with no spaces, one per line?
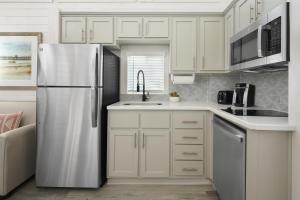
{"x":129,"y":27}
{"x":245,"y":13}
{"x":229,"y":32}
{"x":100,"y":30}
{"x":184,"y":44}
{"x":73,"y":29}
{"x":211,"y":48}
{"x":155,"y":153}
{"x":156,"y":27}
{"x":123,"y":151}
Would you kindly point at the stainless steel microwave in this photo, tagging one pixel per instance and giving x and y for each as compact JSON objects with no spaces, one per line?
{"x":263,"y":43}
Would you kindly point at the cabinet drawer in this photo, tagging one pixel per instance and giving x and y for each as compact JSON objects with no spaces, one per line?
{"x":188,"y":168}
{"x":125,"y":119}
{"x":189,"y":152}
{"x":188,"y":119}
{"x":155,"y":119}
{"x":188,"y":136}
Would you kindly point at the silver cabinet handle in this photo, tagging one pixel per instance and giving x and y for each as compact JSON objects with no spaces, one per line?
{"x":147,"y":29}
{"x":189,"y":122}
{"x":135,"y":138}
{"x":82,"y":35}
{"x":143,"y":140}
{"x":189,"y":169}
{"x":194,"y":62}
{"x":259,"y":7}
{"x":190,"y":153}
{"x":91,"y":35}
{"x":251,"y":14}
{"x":140,"y":29}
{"x":186,"y":137}
{"x":203,"y":62}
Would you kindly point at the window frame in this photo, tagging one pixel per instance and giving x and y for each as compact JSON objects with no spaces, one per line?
{"x":144,"y":50}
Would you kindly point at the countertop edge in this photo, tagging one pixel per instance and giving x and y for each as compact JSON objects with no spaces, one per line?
{"x":217,"y":111}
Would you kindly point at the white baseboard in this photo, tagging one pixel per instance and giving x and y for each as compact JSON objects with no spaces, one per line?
{"x":159,"y":181}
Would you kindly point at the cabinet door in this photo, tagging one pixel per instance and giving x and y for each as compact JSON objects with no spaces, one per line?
{"x":73,"y":30}
{"x":229,"y":32}
{"x":129,"y":27}
{"x":184,"y":44}
{"x":123,"y":153}
{"x":100,"y":30}
{"x":156,"y":27}
{"x":155,"y":153}
{"x":245,"y":13}
{"x":211,"y":55}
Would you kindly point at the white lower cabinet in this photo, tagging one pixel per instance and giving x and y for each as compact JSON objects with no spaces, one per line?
{"x":141,"y":152}
{"x":156,"y":144}
{"x":123,"y":149}
{"x":155,"y":153}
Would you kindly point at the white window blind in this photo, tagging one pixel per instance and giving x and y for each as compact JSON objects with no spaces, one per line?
{"x":154,"y":70}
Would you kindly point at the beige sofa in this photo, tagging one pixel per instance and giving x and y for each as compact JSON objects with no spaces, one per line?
{"x":17,"y":147}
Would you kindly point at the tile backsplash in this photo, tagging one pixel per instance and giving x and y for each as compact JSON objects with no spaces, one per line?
{"x":271,"y":89}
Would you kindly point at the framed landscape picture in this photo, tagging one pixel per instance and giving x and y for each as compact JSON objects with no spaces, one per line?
{"x":18,"y":58}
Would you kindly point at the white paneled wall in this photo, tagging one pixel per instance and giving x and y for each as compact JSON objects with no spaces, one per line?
{"x":24,"y":18}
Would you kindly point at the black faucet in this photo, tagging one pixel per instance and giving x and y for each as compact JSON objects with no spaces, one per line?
{"x":144,"y":97}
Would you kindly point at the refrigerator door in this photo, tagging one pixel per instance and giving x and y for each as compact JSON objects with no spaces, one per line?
{"x":70,"y":65}
{"x":68,"y":126}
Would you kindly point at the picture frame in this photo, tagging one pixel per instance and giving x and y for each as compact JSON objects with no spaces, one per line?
{"x":19,"y":58}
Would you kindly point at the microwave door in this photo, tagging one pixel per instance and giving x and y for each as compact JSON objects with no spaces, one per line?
{"x":278,"y":34}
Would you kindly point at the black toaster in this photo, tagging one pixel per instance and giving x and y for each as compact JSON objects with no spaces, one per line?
{"x":225,"y":97}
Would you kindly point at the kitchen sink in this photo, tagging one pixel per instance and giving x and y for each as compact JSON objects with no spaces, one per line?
{"x":142,"y":104}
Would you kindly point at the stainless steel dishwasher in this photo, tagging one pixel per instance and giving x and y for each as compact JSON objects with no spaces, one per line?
{"x":229,"y":158}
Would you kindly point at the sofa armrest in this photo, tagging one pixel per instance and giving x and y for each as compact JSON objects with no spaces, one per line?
{"x":17,"y":157}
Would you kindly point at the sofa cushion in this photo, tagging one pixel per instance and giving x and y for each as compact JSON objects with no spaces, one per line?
{"x":10,"y":121}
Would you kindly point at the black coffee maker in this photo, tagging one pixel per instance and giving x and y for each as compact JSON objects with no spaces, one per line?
{"x":244,"y":95}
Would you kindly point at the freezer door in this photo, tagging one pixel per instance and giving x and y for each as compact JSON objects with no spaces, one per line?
{"x":68,"y":134}
{"x":70,"y":65}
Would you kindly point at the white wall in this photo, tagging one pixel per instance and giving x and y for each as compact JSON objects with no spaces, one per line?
{"x":294,"y":93}
{"x":25,"y":18}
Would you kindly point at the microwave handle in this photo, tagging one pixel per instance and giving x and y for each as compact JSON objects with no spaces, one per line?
{"x":259,"y":41}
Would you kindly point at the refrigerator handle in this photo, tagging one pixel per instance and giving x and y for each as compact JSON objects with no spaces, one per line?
{"x":96,"y":69}
{"x":94,"y":106}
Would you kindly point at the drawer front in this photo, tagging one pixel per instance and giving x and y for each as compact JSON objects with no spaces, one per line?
{"x":188,"y":119}
{"x":123,"y":119}
{"x":188,"y":136}
{"x":189,"y":168}
{"x":189,"y":152}
{"x":155,"y":119}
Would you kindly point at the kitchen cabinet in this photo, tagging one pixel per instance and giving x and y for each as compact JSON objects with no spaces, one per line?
{"x":146,"y":134}
{"x":184,"y":44}
{"x":211,"y":47}
{"x":245,"y":13}
{"x":229,"y":32}
{"x":129,"y":27}
{"x":188,"y":143}
{"x":81,"y":29}
{"x":155,"y":153}
{"x":100,"y":30}
{"x":73,"y":29}
{"x":123,"y":146}
{"x":156,"y":27}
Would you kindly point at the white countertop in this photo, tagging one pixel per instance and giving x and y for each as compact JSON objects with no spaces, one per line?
{"x":247,"y":122}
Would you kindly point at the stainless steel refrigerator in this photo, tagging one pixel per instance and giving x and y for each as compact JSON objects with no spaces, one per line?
{"x":75,"y":84}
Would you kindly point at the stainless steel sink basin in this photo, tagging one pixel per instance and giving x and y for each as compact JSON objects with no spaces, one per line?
{"x":143,"y":104}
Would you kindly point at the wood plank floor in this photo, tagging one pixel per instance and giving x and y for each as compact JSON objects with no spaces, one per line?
{"x":28,"y":191}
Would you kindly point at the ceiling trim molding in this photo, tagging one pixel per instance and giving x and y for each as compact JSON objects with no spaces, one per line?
{"x":26,"y":1}
{"x":95,"y":1}
{"x":180,"y":1}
